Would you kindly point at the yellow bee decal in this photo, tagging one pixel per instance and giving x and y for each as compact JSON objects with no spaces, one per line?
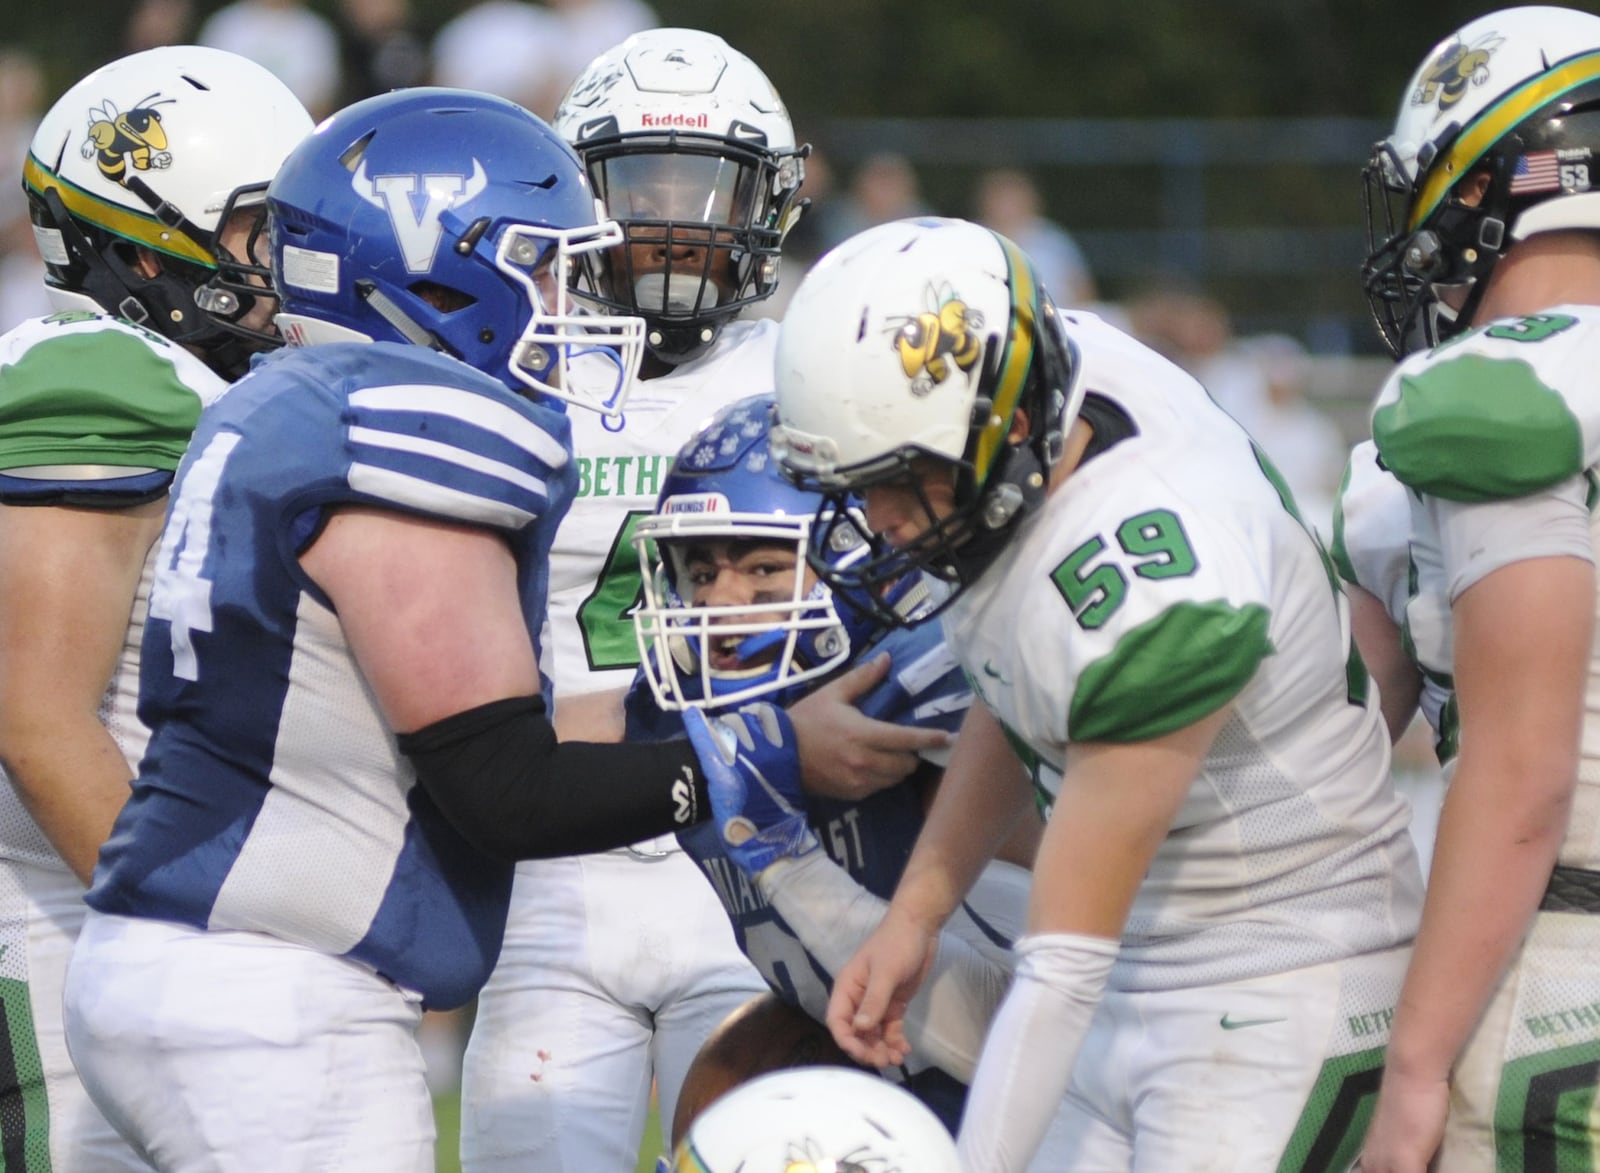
{"x":1445,"y":79}
{"x":929,"y":342}
{"x":116,"y":139}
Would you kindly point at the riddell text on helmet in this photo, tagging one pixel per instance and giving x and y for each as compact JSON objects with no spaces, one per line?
{"x":699,"y":121}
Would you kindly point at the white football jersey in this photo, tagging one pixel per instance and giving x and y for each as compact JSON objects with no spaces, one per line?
{"x":594,"y":572}
{"x":94,"y":412}
{"x":1166,"y":577}
{"x":1371,"y":524}
{"x":1498,"y":433}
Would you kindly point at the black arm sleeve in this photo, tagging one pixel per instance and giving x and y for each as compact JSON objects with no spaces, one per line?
{"x":510,"y":789}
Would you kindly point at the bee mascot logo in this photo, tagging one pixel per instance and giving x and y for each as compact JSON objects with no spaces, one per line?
{"x":929,"y":342}
{"x":136,"y":136}
{"x":1447,"y":77}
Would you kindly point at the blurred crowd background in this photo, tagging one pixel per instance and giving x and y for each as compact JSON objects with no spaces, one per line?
{"x":1189,"y":170}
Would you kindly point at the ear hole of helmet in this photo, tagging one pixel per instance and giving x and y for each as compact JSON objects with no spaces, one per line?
{"x":442,"y":297}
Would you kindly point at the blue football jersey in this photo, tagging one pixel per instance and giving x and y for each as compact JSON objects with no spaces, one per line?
{"x":871,"y":839}
{"x":272,"y":797}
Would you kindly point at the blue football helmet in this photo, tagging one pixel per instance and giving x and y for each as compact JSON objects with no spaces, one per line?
{"x":724,"y":486}
{"x":454,"y":220}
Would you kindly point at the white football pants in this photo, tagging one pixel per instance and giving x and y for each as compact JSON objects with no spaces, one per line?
{"x":232,"y":1052}
{"x":616,"y":968}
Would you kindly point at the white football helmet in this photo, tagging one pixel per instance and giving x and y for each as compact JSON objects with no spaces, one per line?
{"x":692,"y":151}
{"x":1514,"y":95}
{"x":817,"y":1120}
{"x":156,"y":150}
{"x":922,"y":339}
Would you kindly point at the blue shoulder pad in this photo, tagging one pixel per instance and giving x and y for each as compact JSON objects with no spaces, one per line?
{"x":482,"y":456}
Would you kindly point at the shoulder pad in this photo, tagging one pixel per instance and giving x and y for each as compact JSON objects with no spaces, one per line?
{"x":483,"y":457}
{"x":1469,"y":427}
{"x":1166,"y":674}
{"x":97,"y":400}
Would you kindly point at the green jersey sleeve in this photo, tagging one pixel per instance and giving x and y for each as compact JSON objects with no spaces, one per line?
{"x":1165,"y":617}
{"x":1170,"y":671}
{"x":93,"y":406}
{"x":1508,"y":411}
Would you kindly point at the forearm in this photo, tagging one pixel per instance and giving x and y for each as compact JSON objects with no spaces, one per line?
{"x":1377,"y":637}
{"x":1491,"y":862}
{"x":1028,"y":1057}
{"x":72,"y":778}
{"x":590,"y":716}
{"x":984,"y":794}
{"x":514,"y":792}
{"x":833,"y":915}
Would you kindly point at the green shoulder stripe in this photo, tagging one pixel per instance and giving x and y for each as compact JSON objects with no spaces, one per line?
{"x":1185,"y":663}
{"x":1478,"y":429}
{"x":104,"y":397}
{"x":1340,"y":552}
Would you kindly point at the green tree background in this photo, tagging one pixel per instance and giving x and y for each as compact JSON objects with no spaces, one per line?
{"x":840,"y":62}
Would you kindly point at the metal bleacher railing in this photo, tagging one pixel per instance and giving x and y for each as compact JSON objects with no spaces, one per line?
{"x":1306,"y":237}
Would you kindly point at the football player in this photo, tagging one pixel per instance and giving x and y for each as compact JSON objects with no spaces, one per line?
{"x":733,"y":613}
{"x":692,"y":151}
{"x":1225,"y":894}
{"x":349,"y":739}
{"x":144,"y":183}
{"x":1485,"y":262}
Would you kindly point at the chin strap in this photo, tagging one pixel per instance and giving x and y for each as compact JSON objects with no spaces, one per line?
{"x":387,"y":309}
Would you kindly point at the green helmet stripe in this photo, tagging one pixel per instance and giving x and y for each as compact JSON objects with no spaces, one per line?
{"x":1015,"y":362}
{"x":135,"y":226}
{"x":1493,"y":124}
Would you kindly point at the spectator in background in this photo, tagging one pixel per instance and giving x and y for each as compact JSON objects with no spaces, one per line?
{"x":504,"y":47}
{"x":531,"y":53}
{"x":154,"y":23}
{"x":1193,"y":330}
{"x":1301,"y":439}
{"x":1008,"y":201}
{"x":379,"y":48}
{"x":299,"y":47}
{"x":884,"y":188}
{"x":1260,"y":382}
{"x":22,"y":291}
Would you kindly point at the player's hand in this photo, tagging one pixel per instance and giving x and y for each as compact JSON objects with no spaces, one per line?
{"x":867,"y":1010}
{"x":1407,"y":1124}
{"x":846,"y":754}
{"x":752,"y":773}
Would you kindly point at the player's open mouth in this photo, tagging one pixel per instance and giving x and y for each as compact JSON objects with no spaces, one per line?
{"x":724,"y":654}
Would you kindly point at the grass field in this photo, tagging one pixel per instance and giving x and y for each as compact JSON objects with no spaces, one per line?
{"x":447,"y":1116}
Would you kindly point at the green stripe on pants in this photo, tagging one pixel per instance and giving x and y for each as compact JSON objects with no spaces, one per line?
{"x":24,"y":1107}
{"x":1334,"y":1122}
{"x":1543,"y":1117}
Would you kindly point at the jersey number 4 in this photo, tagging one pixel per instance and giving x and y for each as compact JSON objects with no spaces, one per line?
{"x":181,"y":593}
{"x":606,"y":616}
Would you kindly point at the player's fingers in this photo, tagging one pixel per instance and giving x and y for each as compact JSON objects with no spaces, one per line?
{"x":861,"y":679}
{"x":888,"y":737}
{"x":842,"y":1002}
{"x":894,"y":1032}
{"x":872,"y":1002}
